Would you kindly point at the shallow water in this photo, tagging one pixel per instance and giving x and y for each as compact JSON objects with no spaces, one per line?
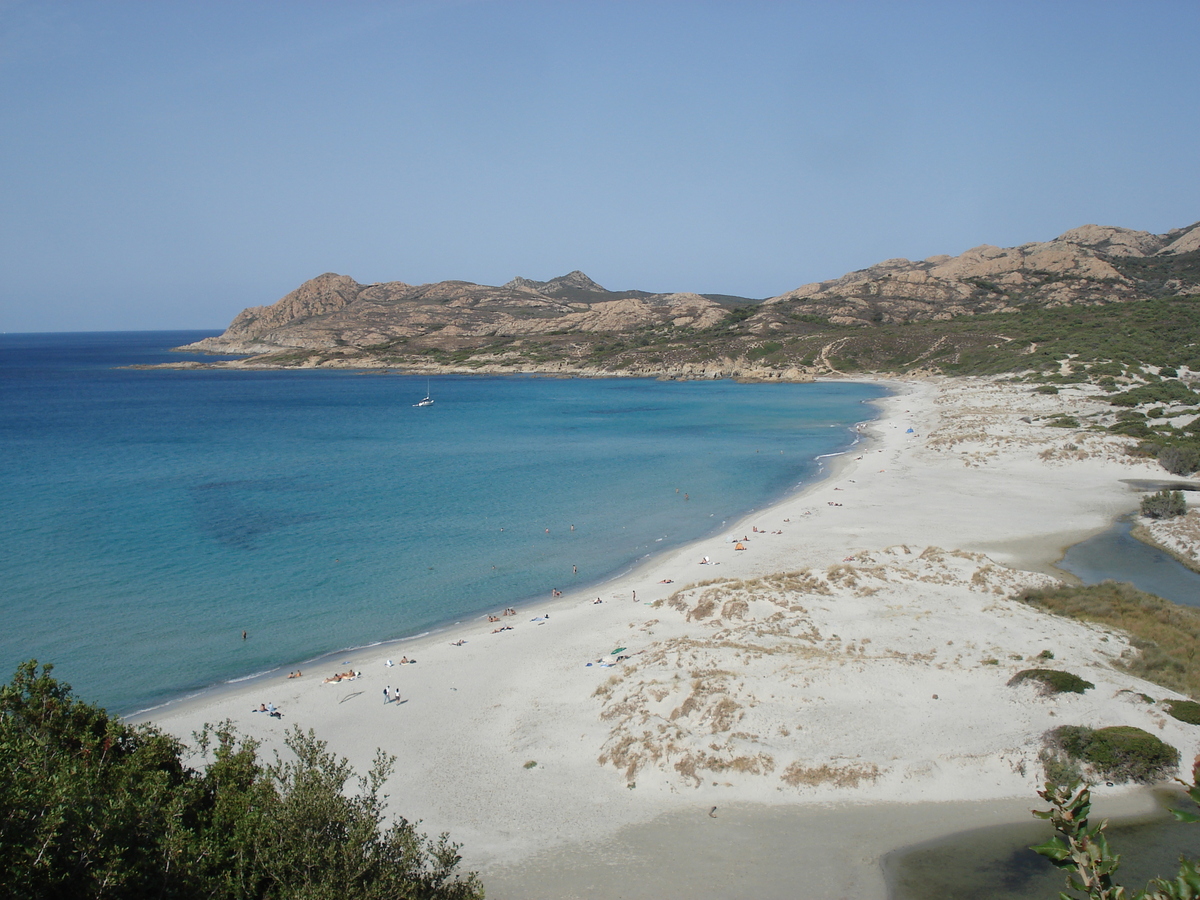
{"x":1115,"y":555}
{"x":148,"y":517}
{"x":996,"y":863}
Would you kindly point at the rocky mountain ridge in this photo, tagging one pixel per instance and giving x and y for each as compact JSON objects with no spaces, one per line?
{"x":1086,"y":265}
{"x":571,"y":324}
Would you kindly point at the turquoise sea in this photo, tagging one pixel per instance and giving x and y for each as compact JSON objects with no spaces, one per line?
{"x":147,"y":518}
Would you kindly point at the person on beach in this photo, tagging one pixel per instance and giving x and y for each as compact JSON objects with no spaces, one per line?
{"x":387,"y":695}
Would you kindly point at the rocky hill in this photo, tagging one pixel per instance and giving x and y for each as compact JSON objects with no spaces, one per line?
{"x":1089,"y":265}
{"x":334,"y":311}
{"x":571,"y":324}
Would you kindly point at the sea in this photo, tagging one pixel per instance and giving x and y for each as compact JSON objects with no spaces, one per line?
{"x":149,"y":517}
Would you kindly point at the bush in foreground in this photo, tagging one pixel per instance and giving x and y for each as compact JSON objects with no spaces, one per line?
{"x":93,"y":808}
{"x":1080,"y":849}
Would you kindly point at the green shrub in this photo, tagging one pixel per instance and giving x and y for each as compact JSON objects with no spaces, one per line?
{"x":1058,"y":768}
{"x":1117,"y":753}
{"x":91,"y":807}
{"x":764,"y":350}
{"x":1179,"y":460}
{"x":1132,"y":428}
{"x":1164,"y":505}
{"x":1184,"y":710}
{"x":1045,"y":389}
{"x":1170,"y":391}
{"x":1053,"y":681}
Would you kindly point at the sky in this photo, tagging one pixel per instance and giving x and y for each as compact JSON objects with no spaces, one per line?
{"x":164,"y":165}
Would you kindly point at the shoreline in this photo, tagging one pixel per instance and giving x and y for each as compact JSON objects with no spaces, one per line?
{"x":828,"y":467}
{"x":743,"y":689}
{"x":1145,"y":534}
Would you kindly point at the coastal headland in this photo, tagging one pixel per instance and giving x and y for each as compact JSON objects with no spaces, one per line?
{"x":768,"y":711}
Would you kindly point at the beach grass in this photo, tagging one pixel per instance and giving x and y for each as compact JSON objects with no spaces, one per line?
{"x":1164,"y":634}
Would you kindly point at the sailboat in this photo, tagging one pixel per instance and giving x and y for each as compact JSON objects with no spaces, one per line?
{"x":427,"y":400}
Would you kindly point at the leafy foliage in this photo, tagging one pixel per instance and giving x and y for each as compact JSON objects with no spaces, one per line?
{"x":1164,"y":505}
{"x":1081,"y":850}
{"x":93,"y":808}
{"x":1053,"y":681}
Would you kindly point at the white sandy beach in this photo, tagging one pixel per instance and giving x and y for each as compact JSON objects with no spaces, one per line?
{"x":837,"y":689}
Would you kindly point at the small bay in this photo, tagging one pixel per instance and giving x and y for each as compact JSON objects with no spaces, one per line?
{"x":148,"y":517}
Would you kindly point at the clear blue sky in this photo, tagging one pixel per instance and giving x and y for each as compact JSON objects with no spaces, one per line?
{"x":163,"y":165}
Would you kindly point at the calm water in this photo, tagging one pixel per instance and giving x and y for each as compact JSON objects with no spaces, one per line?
{"x":996,"y":863}
{"x":148,"y":517}
{"x":1116,"y":555}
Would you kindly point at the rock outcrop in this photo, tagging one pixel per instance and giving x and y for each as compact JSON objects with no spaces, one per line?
{"x":1087,"y":265}
{"x":332,"y":311}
